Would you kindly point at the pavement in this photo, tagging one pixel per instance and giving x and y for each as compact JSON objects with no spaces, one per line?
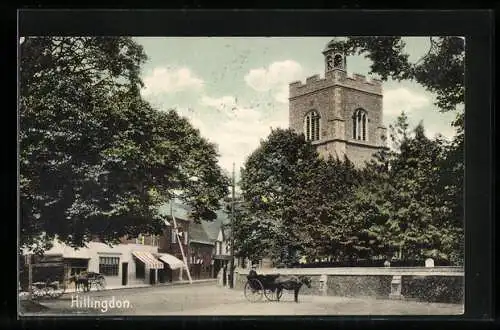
{"x":205,"y":298}
{"x":23,"y":295}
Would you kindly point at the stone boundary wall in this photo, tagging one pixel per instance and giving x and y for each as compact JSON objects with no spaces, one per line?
{"x":439,"y":284}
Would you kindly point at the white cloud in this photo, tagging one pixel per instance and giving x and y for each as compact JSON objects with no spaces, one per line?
{"x":171,"y":80}
{"x":275,"y":78}
{"x":222,"y":103}
{"x":403,"y":99}
{"x":433,"y":130}
{"x":239,"y":131}
{"x":282,"y":94}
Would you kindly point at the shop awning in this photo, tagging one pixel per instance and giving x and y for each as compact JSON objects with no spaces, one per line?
{"x":148,"y":259}
{"x":172,"y":261}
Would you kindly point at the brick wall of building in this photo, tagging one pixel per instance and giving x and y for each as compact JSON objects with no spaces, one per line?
{"x":166,"y":245}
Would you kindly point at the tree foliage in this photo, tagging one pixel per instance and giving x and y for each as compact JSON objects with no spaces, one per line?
{"x":403,"y":204}
{"x":295,"y":197}
{"x":440,"y":70}
{"x":96,"y":159}
{"x":410,"y":214}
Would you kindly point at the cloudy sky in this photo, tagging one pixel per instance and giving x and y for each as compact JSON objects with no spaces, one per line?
{"x":235,"y":89}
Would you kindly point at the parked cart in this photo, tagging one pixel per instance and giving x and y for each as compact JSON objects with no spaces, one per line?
{"x":259,"y":286}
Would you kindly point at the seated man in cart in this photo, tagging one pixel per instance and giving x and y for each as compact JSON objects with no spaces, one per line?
{"x":252,"y":273}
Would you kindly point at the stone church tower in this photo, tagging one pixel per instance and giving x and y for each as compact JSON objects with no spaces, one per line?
{"x":340,"y":115}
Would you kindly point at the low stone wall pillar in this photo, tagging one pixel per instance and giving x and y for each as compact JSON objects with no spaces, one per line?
{"x":396,"y":285}
{"x":323,"y":285}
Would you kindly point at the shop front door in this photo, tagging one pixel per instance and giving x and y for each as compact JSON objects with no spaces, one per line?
{"x":152,"y":276}
{"x":124,"y":273}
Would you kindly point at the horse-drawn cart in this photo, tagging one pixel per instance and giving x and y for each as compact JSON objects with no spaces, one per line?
{"x":88,"y":280}
{"x":271,"y":286}
{"x":258,"y":286}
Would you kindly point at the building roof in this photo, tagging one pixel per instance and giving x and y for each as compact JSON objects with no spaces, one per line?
{"x":207,"y":232}
{"x":197,"y":234}
{"x":212,"y":227}
{"x":179,"y":210}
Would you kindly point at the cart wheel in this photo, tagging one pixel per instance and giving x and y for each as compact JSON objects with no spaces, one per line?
{"x":271,"y":294}
{"x":59,"y":290}
{"x":101,"y":283}
{"x":254,"y":290}
{"x":36,"y":293}
{"x":48,"y":292}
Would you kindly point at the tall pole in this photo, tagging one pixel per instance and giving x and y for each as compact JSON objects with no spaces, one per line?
{"x":30,"y":278}
{"x":231,"y":284}
{"x":184,"y":259}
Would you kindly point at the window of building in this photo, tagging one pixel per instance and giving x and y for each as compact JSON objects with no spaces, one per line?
{"x":329,"y":61}
{"x":75,"y":266}
{"x":337,"y":62}
{"x":185,"y":238}
{"x":359,"y":125}
{"x":312,"y":126}
{"x":174,"y":236}
{"x":109,"y":265}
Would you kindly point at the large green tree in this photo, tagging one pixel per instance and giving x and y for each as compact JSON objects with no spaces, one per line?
{"x":441,"y":71}
{"x":320,"y":207}
{"x":96,"y":159}
{"x":296,"y":197}
{"x":405,"y":207}
{"x":272,"y":177}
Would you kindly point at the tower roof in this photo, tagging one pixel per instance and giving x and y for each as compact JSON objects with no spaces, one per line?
{"x":331,"y":44}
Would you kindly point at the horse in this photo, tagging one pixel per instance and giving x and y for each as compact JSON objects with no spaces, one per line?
{"x":293,"y":283}
{"x":80,"y":281}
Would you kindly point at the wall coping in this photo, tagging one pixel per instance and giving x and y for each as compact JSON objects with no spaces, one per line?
{"x":360,"y":271}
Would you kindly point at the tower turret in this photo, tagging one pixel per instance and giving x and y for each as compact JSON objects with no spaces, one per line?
{"x":335,"y":55}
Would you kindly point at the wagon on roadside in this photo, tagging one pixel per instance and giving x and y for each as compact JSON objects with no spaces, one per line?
{"x":88,"y":280}
{"x":96,"y":280}
{"x":259,"y":286}
{"x":48,"y":289}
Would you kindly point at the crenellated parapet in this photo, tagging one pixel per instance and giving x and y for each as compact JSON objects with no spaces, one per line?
{"x":335,"y":78}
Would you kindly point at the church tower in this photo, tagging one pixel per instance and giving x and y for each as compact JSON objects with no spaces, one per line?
{"x":340,"y":115}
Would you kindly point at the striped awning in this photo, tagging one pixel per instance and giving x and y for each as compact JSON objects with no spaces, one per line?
{"x":172,"y":261}
{"x":148,"y":259}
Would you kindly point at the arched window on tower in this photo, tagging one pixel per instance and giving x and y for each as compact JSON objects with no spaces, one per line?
{"x":312,"y":126}
{"x":360,"y":125}
{"x":337,"y":61}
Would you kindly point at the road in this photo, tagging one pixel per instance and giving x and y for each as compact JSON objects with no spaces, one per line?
{"x":209,"y":299}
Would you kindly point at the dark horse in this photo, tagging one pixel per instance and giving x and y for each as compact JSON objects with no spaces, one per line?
{"x":291,"y":283}
{"x":81,"y":281}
